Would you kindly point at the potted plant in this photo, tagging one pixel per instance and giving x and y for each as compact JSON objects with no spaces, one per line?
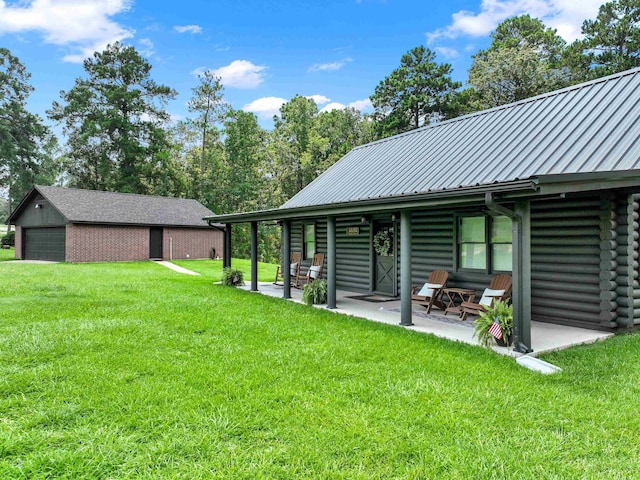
{"x":383,"y":242}
{"x":315,"y":293}
{"x":495,"y":323}
{"x":232,"y":277}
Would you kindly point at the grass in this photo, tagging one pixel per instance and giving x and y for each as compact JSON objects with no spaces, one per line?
{"x":7,"y":254}
{"x":134,"y":371}
{"x":213,"y":268}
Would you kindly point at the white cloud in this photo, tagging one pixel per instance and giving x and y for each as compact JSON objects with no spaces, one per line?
{"x":319,"y":99}
{"x":327,"y":67}
{"x":82,"y":25}
{"x":564,"y":15}
{"x":362,"y":105}
{"x":188,"y":28}
{"x":333,"y":106}
{"x":199,"y":71}
{"x":238,"y":74}
{"x":265,"y":107}
{"x":145,"y":47}
{"x":447,"y":52}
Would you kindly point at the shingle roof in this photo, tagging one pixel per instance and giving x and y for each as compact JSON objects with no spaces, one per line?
{"x":590,"y":127}
{"x":93,"y":206}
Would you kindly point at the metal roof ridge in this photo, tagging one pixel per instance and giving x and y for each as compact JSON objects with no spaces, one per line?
{"x":536,"y":98}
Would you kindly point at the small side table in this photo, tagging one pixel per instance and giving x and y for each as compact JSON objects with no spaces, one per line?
{"x":463,"y":294}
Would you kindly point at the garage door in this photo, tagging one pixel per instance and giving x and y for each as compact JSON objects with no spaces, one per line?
{"x":44,"y":243}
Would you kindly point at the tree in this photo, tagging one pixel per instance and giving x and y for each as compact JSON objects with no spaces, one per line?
{"x":245,"y":180}
{"x":27,"y":146}
{"x":245,"y":154}
{"x":525,"y":30}
{"x":335,"y":134}
{"x":114,"y":122}
{"x":290,"y":142}
{"x":524,"y":60}
{"x":207,"y":101}
{"x":611,"y":42}
{"x":417,"y":93}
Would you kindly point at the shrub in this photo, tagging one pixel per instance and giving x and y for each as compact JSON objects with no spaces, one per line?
{"x":9,"y":239}
{"x":315,"y":293}
{"x":232,"y":277}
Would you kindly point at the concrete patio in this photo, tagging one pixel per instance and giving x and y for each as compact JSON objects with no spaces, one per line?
{"x":545,"y":337}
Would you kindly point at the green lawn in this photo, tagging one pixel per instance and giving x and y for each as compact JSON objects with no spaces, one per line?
{"x":7,"y":254}
{"x":134,"y":371}
{"x":213,"y":268}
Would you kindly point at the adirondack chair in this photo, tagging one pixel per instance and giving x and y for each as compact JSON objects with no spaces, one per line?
{"x":315,"y":270}
{"x":429,"y":295}
{"x":294,"y":266}
{"x":499,"y":289}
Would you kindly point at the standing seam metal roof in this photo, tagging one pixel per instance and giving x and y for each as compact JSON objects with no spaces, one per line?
{"x":590,"y":127}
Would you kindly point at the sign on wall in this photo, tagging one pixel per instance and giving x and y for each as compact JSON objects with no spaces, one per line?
{"x":353,"y":230}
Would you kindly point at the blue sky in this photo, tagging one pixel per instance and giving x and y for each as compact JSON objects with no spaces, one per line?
{"x":264,"y":51}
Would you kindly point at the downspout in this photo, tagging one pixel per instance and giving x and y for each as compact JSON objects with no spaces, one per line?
{"x":501,"y":209}
{"x":522,"y":318}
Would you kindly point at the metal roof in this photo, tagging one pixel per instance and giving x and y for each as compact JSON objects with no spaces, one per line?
{"x":93,"y":206}
{"x":590,"y":127}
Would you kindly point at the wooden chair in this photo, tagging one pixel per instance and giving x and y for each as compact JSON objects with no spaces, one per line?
{"x":294,"y":266}
{"x":315,"y":270}
{"x":436,"y":282}
{"x":499,"y":283}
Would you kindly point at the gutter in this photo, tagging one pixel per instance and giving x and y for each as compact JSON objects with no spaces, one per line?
{"x":491,"y":204}
{"x":381,"y":204}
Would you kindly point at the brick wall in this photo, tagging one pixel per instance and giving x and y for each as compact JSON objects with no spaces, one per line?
{"x":18,"y":252}
{"x":101,"y":243}
{"x":192,"y":242}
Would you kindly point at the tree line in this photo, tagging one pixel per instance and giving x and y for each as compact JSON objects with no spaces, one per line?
{"x":119,"y":136}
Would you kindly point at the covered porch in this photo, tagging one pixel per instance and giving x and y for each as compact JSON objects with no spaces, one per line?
{"x":545,"y":337}
{"x":406,"y":242}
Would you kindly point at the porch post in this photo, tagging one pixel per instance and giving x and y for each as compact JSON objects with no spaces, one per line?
{"x":254,"y":256}
{"x":331,"y":262}
{"x":521,"y":296}
{"x":405,"y":268}
{"x":286,"y":258}
{"x":226,"y":261}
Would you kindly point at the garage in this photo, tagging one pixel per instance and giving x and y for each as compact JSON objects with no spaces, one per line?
{"x":44,"y":243}
{"x":75,"y":225}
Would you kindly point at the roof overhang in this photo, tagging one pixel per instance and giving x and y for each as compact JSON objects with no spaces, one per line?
{"x":544,"y":185}
{"x":205,"y":226}
{"x":584,"y":182}
{"x":458,"y":196}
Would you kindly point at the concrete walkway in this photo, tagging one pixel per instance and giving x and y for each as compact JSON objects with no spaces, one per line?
{"x":545,"y":337}
{"x":176,"y":268}
{"x":28,"y":262}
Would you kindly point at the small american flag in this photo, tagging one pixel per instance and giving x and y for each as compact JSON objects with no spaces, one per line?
{"x":495,"y":329}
